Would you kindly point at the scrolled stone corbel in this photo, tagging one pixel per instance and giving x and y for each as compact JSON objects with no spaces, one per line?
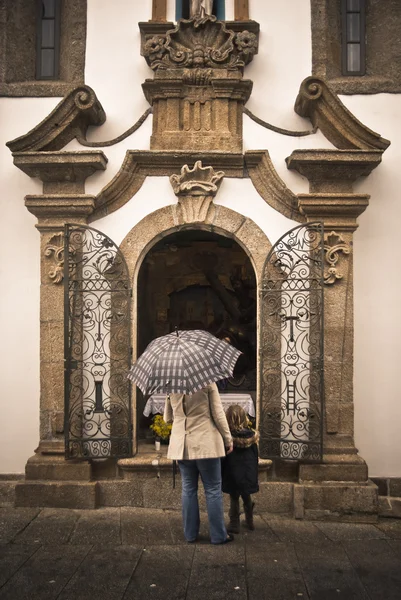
{"x":333,"y":245}
{"x":195,"y":189}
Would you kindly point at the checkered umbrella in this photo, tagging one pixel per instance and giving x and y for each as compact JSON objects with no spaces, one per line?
{"x":183,"y":362}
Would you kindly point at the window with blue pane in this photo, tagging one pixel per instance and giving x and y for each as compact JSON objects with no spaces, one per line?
{"x":48,"y":39}
{"x":214,"y":7}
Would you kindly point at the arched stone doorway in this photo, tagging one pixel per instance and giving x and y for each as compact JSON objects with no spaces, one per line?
{"x":196,"y":279}
{"x":162,"y":224}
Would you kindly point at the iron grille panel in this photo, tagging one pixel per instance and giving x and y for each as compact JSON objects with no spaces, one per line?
{"x":97,"y":297}
{"x":291,"y":349}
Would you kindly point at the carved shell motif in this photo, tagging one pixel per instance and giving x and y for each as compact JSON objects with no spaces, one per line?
{"x":200,"y":43}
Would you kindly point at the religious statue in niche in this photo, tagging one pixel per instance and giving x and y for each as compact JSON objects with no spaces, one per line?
{"x":200,"y":8}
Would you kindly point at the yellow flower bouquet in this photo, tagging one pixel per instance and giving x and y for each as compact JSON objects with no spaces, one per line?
{"x":161,"y":429}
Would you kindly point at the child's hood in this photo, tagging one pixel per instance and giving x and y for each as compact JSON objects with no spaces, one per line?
{"x":245,"y":438}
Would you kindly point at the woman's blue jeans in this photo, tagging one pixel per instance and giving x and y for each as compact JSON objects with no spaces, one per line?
{"x":210,"y":472}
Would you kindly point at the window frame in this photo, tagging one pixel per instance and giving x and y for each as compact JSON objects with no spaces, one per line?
{"x":345,"y":11}
{"x":39,"y":46}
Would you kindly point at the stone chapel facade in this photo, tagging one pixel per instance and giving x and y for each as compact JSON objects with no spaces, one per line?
{"x":158,"y":242}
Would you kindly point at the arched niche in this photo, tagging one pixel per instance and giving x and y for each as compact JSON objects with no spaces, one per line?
{"x":164,"y":222}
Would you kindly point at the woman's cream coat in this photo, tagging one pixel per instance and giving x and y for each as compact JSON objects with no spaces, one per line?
{"x":200,"y":428}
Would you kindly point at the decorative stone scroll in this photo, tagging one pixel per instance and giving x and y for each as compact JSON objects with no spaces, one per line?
{"x":54,"y":251}
{"x":326,"y":111}
{"x":195,"y":189}
{"x":333,"y":245}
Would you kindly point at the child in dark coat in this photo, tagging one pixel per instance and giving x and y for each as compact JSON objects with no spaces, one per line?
{"x":240,"y":468}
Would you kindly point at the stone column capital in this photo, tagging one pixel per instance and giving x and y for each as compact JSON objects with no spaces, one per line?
{"x":337,"y":211}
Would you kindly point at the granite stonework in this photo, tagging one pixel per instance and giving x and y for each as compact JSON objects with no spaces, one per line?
{"x":197,"y":95}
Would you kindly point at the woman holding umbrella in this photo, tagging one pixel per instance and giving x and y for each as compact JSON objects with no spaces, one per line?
{"x":199,"y":438}
{"x":185,"y":365}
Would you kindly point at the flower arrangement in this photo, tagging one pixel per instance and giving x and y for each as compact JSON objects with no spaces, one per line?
{"x":160,"y":428}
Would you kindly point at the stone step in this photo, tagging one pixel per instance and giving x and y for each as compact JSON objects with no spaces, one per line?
{"x":390,"y":506}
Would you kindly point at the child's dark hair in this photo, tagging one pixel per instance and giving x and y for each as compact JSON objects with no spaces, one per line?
{"x":236,"y":418}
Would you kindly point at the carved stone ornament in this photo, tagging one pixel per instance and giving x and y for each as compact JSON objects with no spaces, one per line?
{"x":333,"y":245}
{"x":326,"y":111}
{"x":200,"y":43}
{"x":195,"y":189}
{"x":54,"y":251}
{"x":71,"y":118}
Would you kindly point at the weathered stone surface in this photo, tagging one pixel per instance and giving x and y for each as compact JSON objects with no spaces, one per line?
{"x":340,"y":499}
{"x":56,"y":468}
{"x":275,"y":497}
{"x":56,"y":494}
{"x":337,"y":532}
{"x":12,"y":557}
{"x":328,"y":572}
{"x":121,"y":493}
{"x":156,"y":567}
{"x":45,"y":574}
{"x":299,"y":500}
{"x":274,"y":572}
{"x":377,"y":566}
{"x":288,"y":530}
{"x":7,"y":493}
{"x":142,"y":528}
{"x":324,"y":108}
{"x":52,"y":385}
{"x":383,"y":71}
{"x":104,"y":573}
{"x":390,"y":506}
{"x":101,"y":526}
{"x":71,"y":117}
{"x":218,"y":572}
{"x":18,"y":50}
{"x":391,"y":527}
{"x":335,"y":468}
{"x":51,"y":526}
{"x":159,"y":493}
{"x":12,"y":521}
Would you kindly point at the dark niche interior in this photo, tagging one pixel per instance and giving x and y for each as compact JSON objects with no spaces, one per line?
{"x":196,"y":279}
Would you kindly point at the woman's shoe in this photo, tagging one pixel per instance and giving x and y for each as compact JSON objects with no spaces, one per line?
{"x":229,"y":538}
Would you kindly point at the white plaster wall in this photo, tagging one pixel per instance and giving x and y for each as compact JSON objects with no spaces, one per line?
{"x":19,"y":297}
{"x":115,"y":70}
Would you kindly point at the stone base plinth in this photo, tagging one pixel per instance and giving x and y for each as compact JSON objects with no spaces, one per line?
{"x":336,"y":467}
{"x":56,"y":494}
{"x":337,"y":501}
{"x":56,"y":468}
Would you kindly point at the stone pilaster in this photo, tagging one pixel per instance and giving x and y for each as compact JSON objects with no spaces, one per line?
{"x":331,"y":200}
{"x":63,"y":201}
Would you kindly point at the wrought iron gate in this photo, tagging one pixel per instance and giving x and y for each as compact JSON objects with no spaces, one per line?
{"x":291,"y":346}
{"x":97,"y":347}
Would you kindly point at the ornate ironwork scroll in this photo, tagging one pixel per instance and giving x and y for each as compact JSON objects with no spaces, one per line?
{"x":97,"y":346}
{"x":291,"y":349}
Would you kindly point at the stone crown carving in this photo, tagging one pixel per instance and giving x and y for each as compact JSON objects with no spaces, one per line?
{"x":197,"y":181}
{"x":200,"y":44}
{"x":195,"y":189}
{"x":324,"y":108}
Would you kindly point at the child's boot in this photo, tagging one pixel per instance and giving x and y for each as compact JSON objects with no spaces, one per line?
{"x":233,"y":513}
{"x":248,"y":508}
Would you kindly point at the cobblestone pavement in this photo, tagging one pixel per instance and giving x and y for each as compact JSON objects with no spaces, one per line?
{"x":140,"y":554}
